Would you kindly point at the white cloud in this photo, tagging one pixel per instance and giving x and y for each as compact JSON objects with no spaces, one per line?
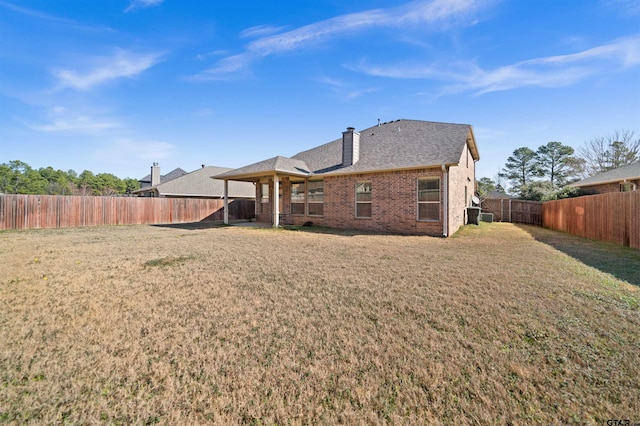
{"x":343,"y":90}
{"x":627,"y":8}
{"x":203,"y":56}
{"x":122,"y":64}
{"x":551,"y":71}
{"x":417,"y":12}
{"x":60,"y":119}
{"x":260,"y":31}
{"x":127,"y":150}
{"x":226,"y":68}
{"x":142,"y":4}
{"x":52,"y":18}
{"x":205,"y":112}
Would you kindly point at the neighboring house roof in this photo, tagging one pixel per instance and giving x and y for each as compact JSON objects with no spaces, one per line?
{"x":199,"y":184}
{"x":399,"y":144}
{"x":173,"y":174}
{"x":496,"y":195}
{"x":621,"y":174}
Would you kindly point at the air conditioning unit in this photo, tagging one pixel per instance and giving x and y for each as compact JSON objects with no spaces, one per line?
{"x":486,"y":217}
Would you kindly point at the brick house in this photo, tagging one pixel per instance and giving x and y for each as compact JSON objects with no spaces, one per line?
{"x":403,"y":176}
{"x":622,"y":179}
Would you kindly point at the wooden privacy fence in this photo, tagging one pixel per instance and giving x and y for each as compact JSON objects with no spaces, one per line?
{"x":55,"y":211}
{"x":515,"y":211}
{"x":613,"y":217}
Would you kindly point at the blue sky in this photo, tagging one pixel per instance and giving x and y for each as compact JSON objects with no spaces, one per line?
{"x":113,"y":86}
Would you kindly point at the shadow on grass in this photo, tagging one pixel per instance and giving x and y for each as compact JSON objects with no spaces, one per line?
{"x":329,"y":231}
{"x":345,"y":232}
{"x":191,"y":226}
{"x":621,"y":262}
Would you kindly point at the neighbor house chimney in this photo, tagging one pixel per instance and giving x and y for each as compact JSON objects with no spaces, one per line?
{"x":350,"y":147}
{"x":155,"y":174}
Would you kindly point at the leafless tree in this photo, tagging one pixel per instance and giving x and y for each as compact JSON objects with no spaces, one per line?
{"x":604,"y":153}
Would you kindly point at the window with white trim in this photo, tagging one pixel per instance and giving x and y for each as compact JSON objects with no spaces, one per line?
{"x":363,"y":199}
{"x":297,"y":198}
{"x":264,"y":198}
{"x":429,"y":199}
{"x":628,"y":187}
{"x":315,"y":198}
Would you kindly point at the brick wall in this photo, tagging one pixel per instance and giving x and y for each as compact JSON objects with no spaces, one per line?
{"x":394,"y":200}
{"x":607,"y":187}
{"x":394,"y":203}
{"x":461,"y":177}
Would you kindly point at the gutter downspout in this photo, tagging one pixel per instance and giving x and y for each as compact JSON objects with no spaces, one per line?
{"x":445,"y":201}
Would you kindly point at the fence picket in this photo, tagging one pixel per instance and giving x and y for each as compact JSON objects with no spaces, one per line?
{"x":613,"y":217}
{"x":58,"y":211}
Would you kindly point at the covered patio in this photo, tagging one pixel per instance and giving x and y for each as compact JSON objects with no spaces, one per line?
{"x":267,"y":177}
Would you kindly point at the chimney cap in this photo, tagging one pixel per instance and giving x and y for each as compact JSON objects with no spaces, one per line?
{"x":351,"y":129}
{"x":155,"y":164}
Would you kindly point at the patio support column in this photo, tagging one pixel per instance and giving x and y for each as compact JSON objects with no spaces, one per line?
{"x":226,"y":202}
{"x":276,"y":191}
{"x":445,"y":201}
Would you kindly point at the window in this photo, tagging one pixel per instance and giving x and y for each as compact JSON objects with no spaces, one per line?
{"x":264,"y":198}
{"x":297,"y":198}
{"x":363,"y":199}
{"x":429,"y":199}
{"x":627,"y":187}
{"x":315,"y":198}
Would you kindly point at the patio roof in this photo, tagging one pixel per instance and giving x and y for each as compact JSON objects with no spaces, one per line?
{"x":278,"y":165}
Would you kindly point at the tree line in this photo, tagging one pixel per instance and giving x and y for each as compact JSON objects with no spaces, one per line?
{"x":17,"y":177}
{"x":544,"y":174}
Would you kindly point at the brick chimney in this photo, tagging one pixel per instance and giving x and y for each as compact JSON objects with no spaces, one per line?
{"x":350,"y":147}
{"x":155,"y":174}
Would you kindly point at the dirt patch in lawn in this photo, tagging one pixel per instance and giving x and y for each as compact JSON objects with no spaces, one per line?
{"x":143,"y":324}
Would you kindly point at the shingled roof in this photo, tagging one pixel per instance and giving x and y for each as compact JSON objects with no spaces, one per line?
{"x":399,"y":144}
{"x":199,"y":184}
{"x":173,"y":174}
{"x":282,"y":165}
{"x":630,"y":172}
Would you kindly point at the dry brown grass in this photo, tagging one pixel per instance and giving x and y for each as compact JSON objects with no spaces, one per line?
{"x":142,"y":325}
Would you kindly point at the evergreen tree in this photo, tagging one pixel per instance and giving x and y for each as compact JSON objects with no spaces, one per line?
{"x":486,"y":186}
{"x":17,"y":177}
{"x":556,"y":162}
{"x":521,"y":168}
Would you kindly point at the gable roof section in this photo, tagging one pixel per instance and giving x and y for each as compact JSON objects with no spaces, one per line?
{"x":399,"y":144}
{"x":630,"y":172}
{"x":173,"y":174}
{"x":199,"y":184}
{"x":278,"y":164}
